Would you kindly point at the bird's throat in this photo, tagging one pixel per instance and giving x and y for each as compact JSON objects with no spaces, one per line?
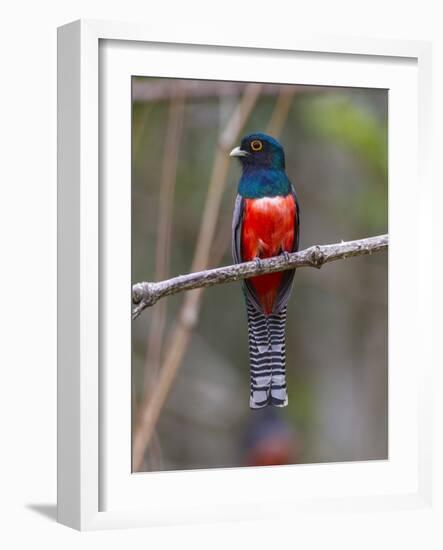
{"x":258,"y":183}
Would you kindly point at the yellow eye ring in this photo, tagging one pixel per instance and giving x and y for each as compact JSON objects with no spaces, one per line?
{"x":256,"y":145}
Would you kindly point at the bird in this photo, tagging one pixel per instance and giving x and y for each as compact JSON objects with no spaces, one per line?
{"x":266,"y":223}
{"x":269,"y":440}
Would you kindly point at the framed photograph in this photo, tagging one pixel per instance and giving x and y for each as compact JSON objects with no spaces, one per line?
{"x":206,"y":370}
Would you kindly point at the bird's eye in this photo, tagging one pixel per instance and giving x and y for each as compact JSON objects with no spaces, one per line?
{"x":256,"y":145}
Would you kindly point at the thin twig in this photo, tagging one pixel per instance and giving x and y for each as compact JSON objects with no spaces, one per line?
{"x":139,"y":129}
{"x":180,"y":336}
{"x":163,"y":248}
{"x":164,"y":228}
{"x":147,"y":294}
{"x":146,"y":90}
{"x":281,"y":111}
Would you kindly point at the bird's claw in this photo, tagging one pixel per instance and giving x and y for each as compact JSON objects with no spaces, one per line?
{"x":286,"y":255}
{"x":258,"y":262}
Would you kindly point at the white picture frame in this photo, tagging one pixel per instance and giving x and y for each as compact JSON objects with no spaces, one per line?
{"x":96,"y":491}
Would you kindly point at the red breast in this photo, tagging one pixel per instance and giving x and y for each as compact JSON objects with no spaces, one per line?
{"x":267,"y":230}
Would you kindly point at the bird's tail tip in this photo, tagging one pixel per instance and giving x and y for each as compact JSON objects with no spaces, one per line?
{"x":274,"y":398}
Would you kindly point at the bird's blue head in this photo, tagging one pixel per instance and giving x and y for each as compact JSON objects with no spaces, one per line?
{"x":260,"y":151}
{"x":263,"y":162}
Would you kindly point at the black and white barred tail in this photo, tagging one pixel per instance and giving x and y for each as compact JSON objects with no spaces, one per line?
{"x":267,"y":357}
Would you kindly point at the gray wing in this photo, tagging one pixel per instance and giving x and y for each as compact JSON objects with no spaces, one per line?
{"x":288,"y":276}
{"x":237,"y":221}
{"x":236,"y":229}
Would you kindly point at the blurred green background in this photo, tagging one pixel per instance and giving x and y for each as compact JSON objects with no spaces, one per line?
{"x":335,"y":140}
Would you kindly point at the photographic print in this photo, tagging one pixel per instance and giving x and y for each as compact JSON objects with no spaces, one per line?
{"x":285,"y":366}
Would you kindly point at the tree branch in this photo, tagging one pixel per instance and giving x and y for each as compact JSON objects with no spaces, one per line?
{"x":147,"y":294}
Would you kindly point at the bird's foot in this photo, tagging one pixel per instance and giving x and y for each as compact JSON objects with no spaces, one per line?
{"x":285,"y":255}
{"x":258,"y":262}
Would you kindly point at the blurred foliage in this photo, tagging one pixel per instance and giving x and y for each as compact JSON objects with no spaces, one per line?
{"x":335,"y":141}
{"x":337,"y":119}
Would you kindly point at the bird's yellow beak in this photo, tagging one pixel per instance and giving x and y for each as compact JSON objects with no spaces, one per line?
{"x":237,"y":152}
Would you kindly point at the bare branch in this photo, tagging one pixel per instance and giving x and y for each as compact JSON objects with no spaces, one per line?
{"x":164,"y":229}
{"x":162,"y":258}
{"x":281,"y":111}
{"x":147,"y":294}
{"x":146,"y":90}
